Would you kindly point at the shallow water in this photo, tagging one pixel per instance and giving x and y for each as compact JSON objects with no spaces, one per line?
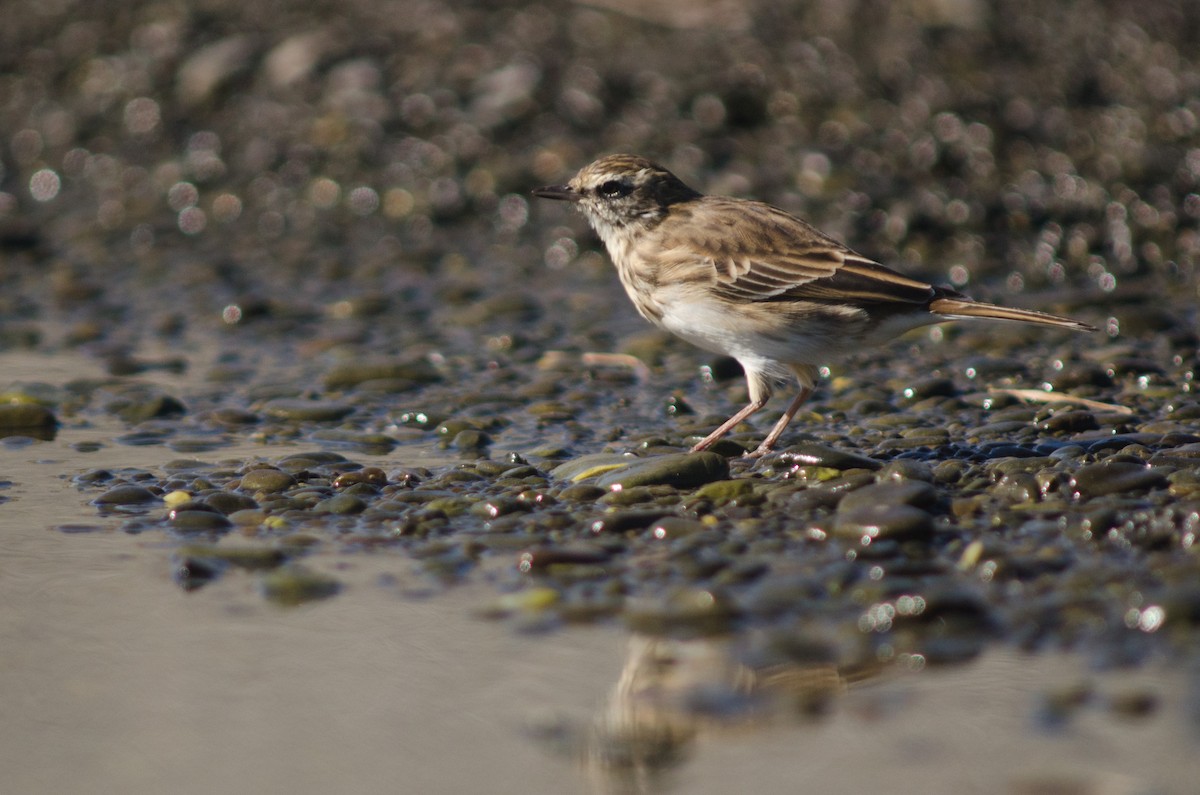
{"x":117,"y":680}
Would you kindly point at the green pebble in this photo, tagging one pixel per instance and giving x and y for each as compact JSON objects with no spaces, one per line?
{"x":306,"y":410}
{"x":267,"y":480}
{"x":228,"y":502}
{"x":340,"y":504}
{"x":251,"y":517}
{"x":250,"y":558}
{"x":411,"y":373}
{"x":194,"y":521}
{"x":294,"y":585}
{"x":26,"y":415}
{"x":725,"y":491}
{"x":581,"y":492}
{"x":471,"y":440}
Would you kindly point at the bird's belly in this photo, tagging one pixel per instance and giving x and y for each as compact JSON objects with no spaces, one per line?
{"x":762,"y":335}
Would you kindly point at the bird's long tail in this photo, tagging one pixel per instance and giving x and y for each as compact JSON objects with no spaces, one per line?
{"x":966,"y":308}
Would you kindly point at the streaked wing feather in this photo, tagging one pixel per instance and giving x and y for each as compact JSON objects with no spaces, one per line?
{"x":756,"y":252}
{"x":861,"y":279}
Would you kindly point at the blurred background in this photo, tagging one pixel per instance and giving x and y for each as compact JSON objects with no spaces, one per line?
{"x":194,"y":165}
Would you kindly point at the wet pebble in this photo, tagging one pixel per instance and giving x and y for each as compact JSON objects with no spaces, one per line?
{"x":306,"y":410}
{"x":228,"y":502}
{"x":582,"y":492}
{"x":368,"y":442}
{"x":470,"y":440}
{"x":682,"y":471}
{"x":624,"y":520}
{"x":243,"y":557}
{"x":266,"y":480}
{"x":870,"y":524}
{"x":1104,"y":478}
{"x":400,"y":376}
{"x":340,"y":504}
{"x":589,"y":466}
{"x":578,"y":553}
{"x":672,"y":527}
{"x":198,"y":521}
{"x":722,"y":492}
{"x":139,"y":407}
{"x":26,"y":415}
{"x":822,"y":455}
{"x":294,"y":584}
{"x":1069,"y":422}
{"x":912,"y":492}
{"x":126,"y":495}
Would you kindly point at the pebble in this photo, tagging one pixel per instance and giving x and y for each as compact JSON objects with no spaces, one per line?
{"x":266,"y":480}
{"x":890,"y":493}
{"x":293,"y":584}
{"x":340,"y":504}
{"x":306,"y":410}
{"x":25,"y":415}
{"x":681,"y":471}
{"x":1098,"y":480}
{"x":822,"y":455}
{"x":198,"y":521}
{"x":126,"y":495}
{"x":868,"y":524}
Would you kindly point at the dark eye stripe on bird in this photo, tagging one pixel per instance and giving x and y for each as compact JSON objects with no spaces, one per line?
{"x":750,"y":280}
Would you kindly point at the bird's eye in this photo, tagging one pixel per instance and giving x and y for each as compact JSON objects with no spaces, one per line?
{"x":613,"y":189}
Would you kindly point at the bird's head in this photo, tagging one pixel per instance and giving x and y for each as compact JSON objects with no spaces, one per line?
{"x":621,"y":193}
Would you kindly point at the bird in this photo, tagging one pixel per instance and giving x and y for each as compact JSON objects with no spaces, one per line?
{"x":751,"y":281}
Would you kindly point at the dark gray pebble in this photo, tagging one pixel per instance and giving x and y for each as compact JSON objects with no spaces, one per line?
{"x":822,"y":455}
{"x":621,"y":521}
{"x":682,"y":471}
{"x":570,"y":554}
{"x":126,"y":495}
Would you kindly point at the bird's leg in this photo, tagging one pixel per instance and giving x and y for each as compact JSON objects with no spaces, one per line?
{"x":731,"y":423}
{"x":777,"y":431}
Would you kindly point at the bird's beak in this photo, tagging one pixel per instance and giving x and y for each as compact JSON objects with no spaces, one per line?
{"x":560,"y":192}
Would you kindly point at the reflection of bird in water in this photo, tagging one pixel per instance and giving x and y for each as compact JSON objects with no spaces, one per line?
{"x":671,"y":691}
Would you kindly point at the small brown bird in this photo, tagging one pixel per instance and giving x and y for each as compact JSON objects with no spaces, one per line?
{"x":753,"y":282}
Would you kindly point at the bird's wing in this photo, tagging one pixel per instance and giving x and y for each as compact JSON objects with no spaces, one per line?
{"x":755,"y":252}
